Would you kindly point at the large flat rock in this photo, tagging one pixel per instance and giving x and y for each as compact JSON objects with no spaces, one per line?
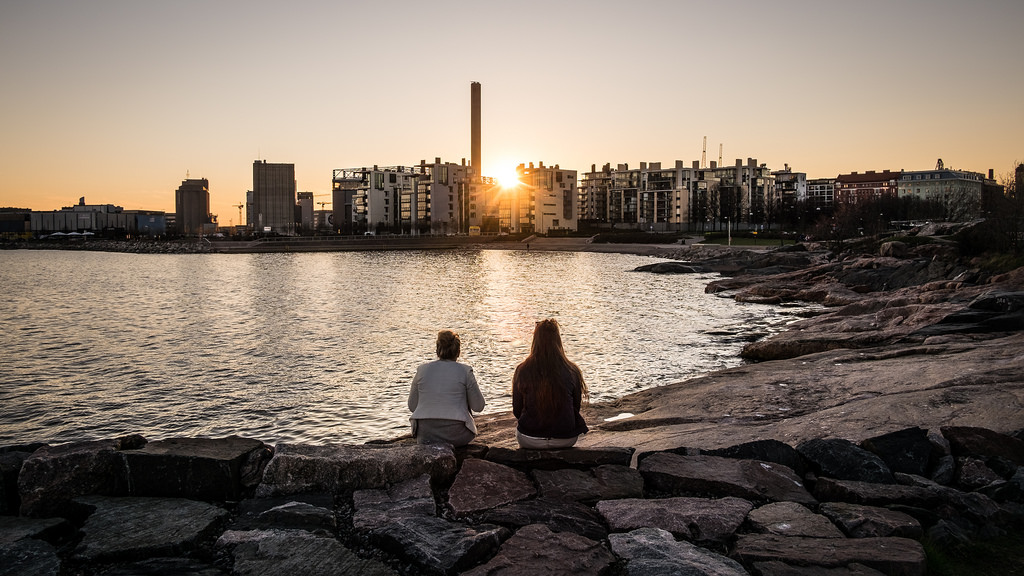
{"x":651,"y":551}
{"x":29,"y":557}
{"x":213,"y":469}
{"x":693,"y":519}
{"x":607,"y":482}
{"x":377,"y":507}
{"x":895,"y":556}
{"x":277,"y":552}
{"x":714,"y":475}
{"x":535,"y":549}
{"x":298,"y":468}
{"x":579,"y":458}
{"x":482,"y":485}
{"x":557,"y":515}
{"x":53,"y":475}
{"x":133,"y":527}
{"x":437,"y":545}
{"x":857,"y":521}
{"x":792,"y":519}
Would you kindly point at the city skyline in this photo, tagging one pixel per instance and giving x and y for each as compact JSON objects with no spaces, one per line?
{"x":121,"y":101}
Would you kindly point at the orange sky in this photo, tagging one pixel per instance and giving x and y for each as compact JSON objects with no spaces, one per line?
{"x":118,"y":100}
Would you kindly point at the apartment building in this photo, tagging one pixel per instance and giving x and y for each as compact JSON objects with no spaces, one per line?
{"x":546,"y":200}
{"x":192,"y":207}
{"x":821,"y":192}
{"x":959,"y":192}
{"x":853,"y":187}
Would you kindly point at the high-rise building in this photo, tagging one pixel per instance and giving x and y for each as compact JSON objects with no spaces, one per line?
{"x":192,"y":206}
{"x":272,"y":198}
{"x":306,"y":220}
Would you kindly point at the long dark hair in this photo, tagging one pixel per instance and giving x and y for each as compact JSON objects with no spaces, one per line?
{"x":551,"y":374}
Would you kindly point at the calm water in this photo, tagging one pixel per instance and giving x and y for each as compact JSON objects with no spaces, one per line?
{"x":321,"y":347}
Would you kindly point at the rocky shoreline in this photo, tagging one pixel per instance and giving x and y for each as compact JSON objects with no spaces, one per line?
{"x":865,"y":438}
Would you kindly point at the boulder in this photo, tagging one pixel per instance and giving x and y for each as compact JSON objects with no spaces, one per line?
{"x":557,"y":515}
{"x":29,"y":557}
{"x":842,"y":459}
{"x":131,"y":527}
{"x":53,"y":475}
{"x":713,"y":475}
{"x":893,"y":249}
{"x":672,"y":267}
{"x":791,"y":519}
{"x":482,"y":485}
{"x":858,"y":521}
{"x":14,"y":528}
{"x":578,"y":458}
{"x":605,"y":482}
{"x":309,"y":512}
{"x":10,"y":467}
{"x":945,"y":470}
{"x":299,"y":468}
{"x":972,"y":473}
{"x":208,"y":469}
{"x":765,"y":451}
{"x":895,"y":556}
{"x":908,"y":450}
{"x":375,"y":508}
{"x":437,"y":545}
{"x":535,"y":549}
{"x":652,"y":551}
{"x":776,"y":568}
{"x":159,"y":566}
{"x":981,"y":442}
{"x":872,"y":494}
{"x":274,"y":552}
{"x":700,"y":520}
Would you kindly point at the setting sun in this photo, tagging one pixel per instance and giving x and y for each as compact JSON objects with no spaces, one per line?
{"x":508,"y":178}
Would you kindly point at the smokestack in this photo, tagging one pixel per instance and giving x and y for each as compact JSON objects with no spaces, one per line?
{"x":474,"y":96}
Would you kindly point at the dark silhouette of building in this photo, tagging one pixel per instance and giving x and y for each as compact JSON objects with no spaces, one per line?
{"x":192,"y":206}
{"x":272,"y":198}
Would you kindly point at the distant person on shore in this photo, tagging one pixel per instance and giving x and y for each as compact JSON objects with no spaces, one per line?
{"x":443,"y":394}
{"x":547,"y":392}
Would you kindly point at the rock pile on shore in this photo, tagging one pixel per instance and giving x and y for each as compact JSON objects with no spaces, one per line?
{"x":128,"y":246}
{"x":237,"y":506}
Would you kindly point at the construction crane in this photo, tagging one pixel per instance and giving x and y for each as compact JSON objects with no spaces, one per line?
{"x":239,"y":206}
{"x":704,"y":154}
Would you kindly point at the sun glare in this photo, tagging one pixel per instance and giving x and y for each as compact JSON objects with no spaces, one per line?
{"x":509,"y":178}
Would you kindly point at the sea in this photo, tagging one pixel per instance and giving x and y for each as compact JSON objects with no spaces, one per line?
{"x":321,"y":348}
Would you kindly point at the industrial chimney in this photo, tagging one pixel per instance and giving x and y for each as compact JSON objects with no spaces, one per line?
{"x":474,"y":91}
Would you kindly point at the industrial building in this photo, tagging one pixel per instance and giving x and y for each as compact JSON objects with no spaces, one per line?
{"x":98,"y":219}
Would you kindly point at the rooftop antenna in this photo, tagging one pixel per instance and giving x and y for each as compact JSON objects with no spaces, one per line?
{"x":704,"y":154}
{"x":719,"y":154}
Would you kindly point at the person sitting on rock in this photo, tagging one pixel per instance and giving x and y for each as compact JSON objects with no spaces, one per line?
{"x":547,"y":392}
{"x":443,"y":396}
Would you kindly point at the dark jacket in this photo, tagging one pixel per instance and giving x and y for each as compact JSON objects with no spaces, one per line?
{"x":563,"y":420}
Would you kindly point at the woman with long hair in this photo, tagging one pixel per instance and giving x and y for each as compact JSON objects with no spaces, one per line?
{"x":547,"y":393}
{"x":444,"y":395}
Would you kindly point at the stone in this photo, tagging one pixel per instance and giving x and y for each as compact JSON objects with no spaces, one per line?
{"x":275,"y":552}
{"x":894,"y":556}
{"x":713,"y":475}
{"x":655,"y":552}
{"x":535,"y":549}
{"x":438,"y":545}
{"x":946,"y":535}
{"x":791,"y":519}
{"x":981,"y":442}
{"x":310,"y":512}
{"x":893,"y":249}
{"x":776,"y":568}
{"x":299,"y":468}
{"x":698,"y":520}
{"x":162,"y":566}
{"x":872,"y":494}
{"x":132,"y":527}
{"x":29,"y":557}
{"x":579,"y":458}
{"x":972,"y":473}
{"x":482,"y":485}
{"x":211,"y":469}
{"x":10,"y":467}
{"x":14,"y":528}
{"x":844,"y":460}
{"x":945,"y":470}
{"x":53,"y":475}
{"x":671,"y":267}
{"x":375,"y":508}
{"x":557,"y":515}
{"x":857,"y":521}
{"x":908,"y":450}
{"x":765,"y":451}
{"x":605,"y":482}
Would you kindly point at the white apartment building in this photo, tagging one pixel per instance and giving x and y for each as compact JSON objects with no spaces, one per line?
{"x":546,"y":200}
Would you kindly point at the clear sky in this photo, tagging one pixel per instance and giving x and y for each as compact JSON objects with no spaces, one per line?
{"x":117,"y":100}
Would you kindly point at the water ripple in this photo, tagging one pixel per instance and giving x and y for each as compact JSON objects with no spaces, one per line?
{"x":321,"y":347}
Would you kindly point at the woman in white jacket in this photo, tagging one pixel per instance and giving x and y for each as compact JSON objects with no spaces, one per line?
{"x":443,"y":396}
